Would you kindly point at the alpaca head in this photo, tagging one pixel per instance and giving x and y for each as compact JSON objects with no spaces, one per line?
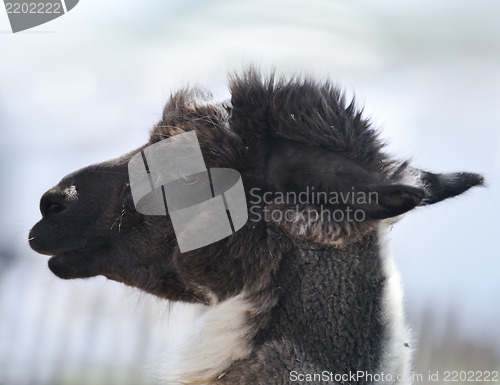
{"x":301,"y":151}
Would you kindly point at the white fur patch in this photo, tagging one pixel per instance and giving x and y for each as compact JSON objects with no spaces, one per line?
{"x":412,"y":177}
{"x":220,"y":336}
{"x":397,"y":348}
{"x":70,"y":193}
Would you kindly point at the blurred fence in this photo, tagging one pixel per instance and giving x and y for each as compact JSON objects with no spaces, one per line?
{"x":86,"y":332}
{"x":81,"y":332}
{"x":444,"y":353}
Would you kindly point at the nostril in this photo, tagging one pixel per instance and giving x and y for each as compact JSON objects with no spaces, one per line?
{"x":52,"y":208}
{"x":52,"y":203}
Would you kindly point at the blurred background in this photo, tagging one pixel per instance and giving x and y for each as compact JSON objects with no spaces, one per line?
{"x":88,"y":86}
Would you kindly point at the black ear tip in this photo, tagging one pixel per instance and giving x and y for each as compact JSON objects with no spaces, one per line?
{"x":442,"y":186}
{"x":478,"y":177}
{"x":467,"y":179}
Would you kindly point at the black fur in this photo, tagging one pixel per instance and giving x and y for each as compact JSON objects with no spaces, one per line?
{"x":442,"y":186}
{"x":317,"y":284}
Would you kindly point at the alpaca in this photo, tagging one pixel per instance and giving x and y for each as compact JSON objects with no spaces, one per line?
{"x":305,"y":291}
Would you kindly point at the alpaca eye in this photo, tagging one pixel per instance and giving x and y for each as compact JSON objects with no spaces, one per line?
{"x":189,"y":179}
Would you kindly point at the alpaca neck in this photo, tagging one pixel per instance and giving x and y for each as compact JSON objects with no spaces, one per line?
{"x":331,"y":305}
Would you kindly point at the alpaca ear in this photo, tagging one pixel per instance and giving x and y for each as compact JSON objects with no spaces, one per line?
{"x":331,"y":181}
{"x":442,"y":186}
{"x":386,"y":200}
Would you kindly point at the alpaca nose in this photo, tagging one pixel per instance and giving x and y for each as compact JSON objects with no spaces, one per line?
{"x":53,"y":202}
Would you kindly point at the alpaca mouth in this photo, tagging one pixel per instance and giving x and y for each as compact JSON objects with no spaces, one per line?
{"x":80,"y":263}
{"x":53,"y":241}
{"x":71,"y":256}
{"x":56,"y":247}
{"x":50,"y":240}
